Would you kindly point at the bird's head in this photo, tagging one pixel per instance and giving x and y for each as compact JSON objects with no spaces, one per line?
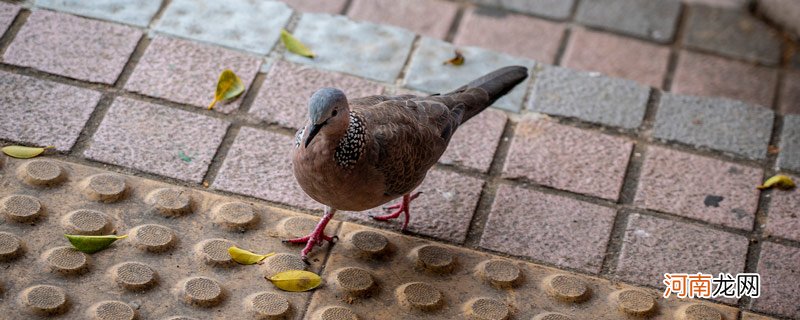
{"x":328,"y":111}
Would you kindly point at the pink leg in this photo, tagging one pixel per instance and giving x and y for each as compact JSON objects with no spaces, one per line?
{"x":402,"y":207}
{"x":316,"y":237}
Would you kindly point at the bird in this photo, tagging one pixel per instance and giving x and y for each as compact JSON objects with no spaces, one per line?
{"x":362,"y":153}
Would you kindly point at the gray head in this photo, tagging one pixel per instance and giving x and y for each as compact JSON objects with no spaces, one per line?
{"x":327,"y":107}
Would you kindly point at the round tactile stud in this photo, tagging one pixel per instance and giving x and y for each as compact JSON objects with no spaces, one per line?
{"x":487,"y":309}
{"x":20,"y":208}
{"x":111,"y":310}
{"x":634,"y":302}
{"x":418,"y":295}
{"x":434,"y":258}
{"x":86,"y":222}
{"x":134,"y":276}
{"x":215,"y":252}
{"x":355,"y":281}
{"x":698,"y":312}
{"x":235,"y":216}
{"x":41,"y":173}
{"x":282,"y":262}
{"x":551,"y":316}
{"x":335,"y":313}
{"x":368,"y":243}
{"x":104,"y":187}
{"x":45,"y":300}
{"x":170,"y":201}
{"x":202,"y":291}
{"x":500,"y":273}
{"x":297,"y":226}
{"x":268,"y":305}
{"x":10,"y":246}
{"x":567,"y":288}
{"x":153,"y":237}
{"x":66,"y":260}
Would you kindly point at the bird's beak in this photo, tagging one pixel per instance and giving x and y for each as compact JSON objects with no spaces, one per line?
{"x":313,"y":132}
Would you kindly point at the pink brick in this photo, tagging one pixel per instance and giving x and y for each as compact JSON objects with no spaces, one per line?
{"x":698,"y":187}
{"x":779,"y":266}
{"x":326,"y":6}
{"x":430,"y":18}
{"x":514,"y":34}
{"x":283,"y":98}
{"x":568,"y":158}
{"x":790,"y":93}
{"x":73,"y":47}
{"x":783,"y":215}
{"x":7,"y":13}
{"x":705,"y":75}
{"x":617,"y":56}
{"x":475,"y":142}
{"x":187,"y":72}
{"x":549,"y":228}
{"x":654,"y":246}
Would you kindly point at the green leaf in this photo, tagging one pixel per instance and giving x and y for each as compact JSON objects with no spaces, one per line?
{"x":296,"y":280}
{"x":229,"y":86}
{"x":22,"y":152}
{"x":246,"y":257}
{"x":92,"y":244}
{"x":779,"y":181}
{"x":295,"y":46}
{"x":184,"y":157}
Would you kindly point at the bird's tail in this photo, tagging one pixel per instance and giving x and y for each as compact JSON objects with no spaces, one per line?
{"x":496,"y":84}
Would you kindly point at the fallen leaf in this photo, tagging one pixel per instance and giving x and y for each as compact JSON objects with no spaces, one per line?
{"x":229,"y":86}
{"x":246,"y":257}
{"x":773,"y":149}
{"x":184,"y":157}
{"x":22,"y":152}
{"x":457,"y":60}
{"x":296,"y":280}
{"x":295,"y":46}
{"x":205,"y":184}
{"x":779,"y":181}
{"x":92,"y":244}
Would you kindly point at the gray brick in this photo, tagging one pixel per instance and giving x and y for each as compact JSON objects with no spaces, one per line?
{"x":733,"y":33}
{"x":428,"y":73}
{"x":789,"y":156}
{"x":240,"y":24}
{"x":589,"y":96}
{"x":556,"y":9}
{"x":137,"y":13}
{"x":651,"y":19}
{"x":364,"y":49}
{"x":717,"y":123}
{"x":7,"y":13}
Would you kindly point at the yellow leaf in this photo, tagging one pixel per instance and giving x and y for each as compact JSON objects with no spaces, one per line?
{"x":92,"y":244}
{"x":779,"y":181}
{"x":295,"y":46}
{"x":23,"y":152}
{"x":246,"y":257}
{"x":229,"y":86}
{"x":296,"y":280}
{"x":457,"y":60}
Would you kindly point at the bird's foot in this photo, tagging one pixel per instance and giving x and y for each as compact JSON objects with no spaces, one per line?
{"x":316,"y":237}
{"x":400,"y":207}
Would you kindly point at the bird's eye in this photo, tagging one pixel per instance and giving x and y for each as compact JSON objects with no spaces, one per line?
{"x":334,"y":113}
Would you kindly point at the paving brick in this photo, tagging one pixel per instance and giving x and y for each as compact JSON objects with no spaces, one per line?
{"x":7,"y":14}
{"x":653,"y":19}
{"x":31,"y":107}
{"x":428,"y":73}
{"x":443,"y":210}
{"x":779,"y":266}
{"x":679,"y":183}
{"x":753,"y":316}
{"x":240,"y":24}
{"x":549,"y":228}
{"x":259,"y":164}
{"x":475,"y":142}
{"x":283,"y":98}
{"x":327,"y":6}
{"x":732,"y":32}
{"x":555,"y":9}
{"x":86,"y":49}
{"x":157,"y":139}
{"x":783,"y":218}
{"x":789,"y":156}
{"x":501,"y":31}
{"x":568,"y":158}
{"x":719,"y":3}
{"x":616,"y":56}
{"x":187,"y":72}
{"x":430,"y":18}
{"x":364,"y":49}
{"x":790,"y":93}
{"x":137,"y":13}
{"x":717,"y":123}
{"x":654,"y":246}
{"x":705,"y":75}
{"x":588,"y":96}
{"x":784,"y":13}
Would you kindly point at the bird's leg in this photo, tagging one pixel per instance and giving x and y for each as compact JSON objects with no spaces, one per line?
{"x":316,"y":237}
{"x":402,"y":207}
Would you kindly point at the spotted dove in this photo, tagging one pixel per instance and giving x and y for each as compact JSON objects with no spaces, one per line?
{"x":359,"y":154}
